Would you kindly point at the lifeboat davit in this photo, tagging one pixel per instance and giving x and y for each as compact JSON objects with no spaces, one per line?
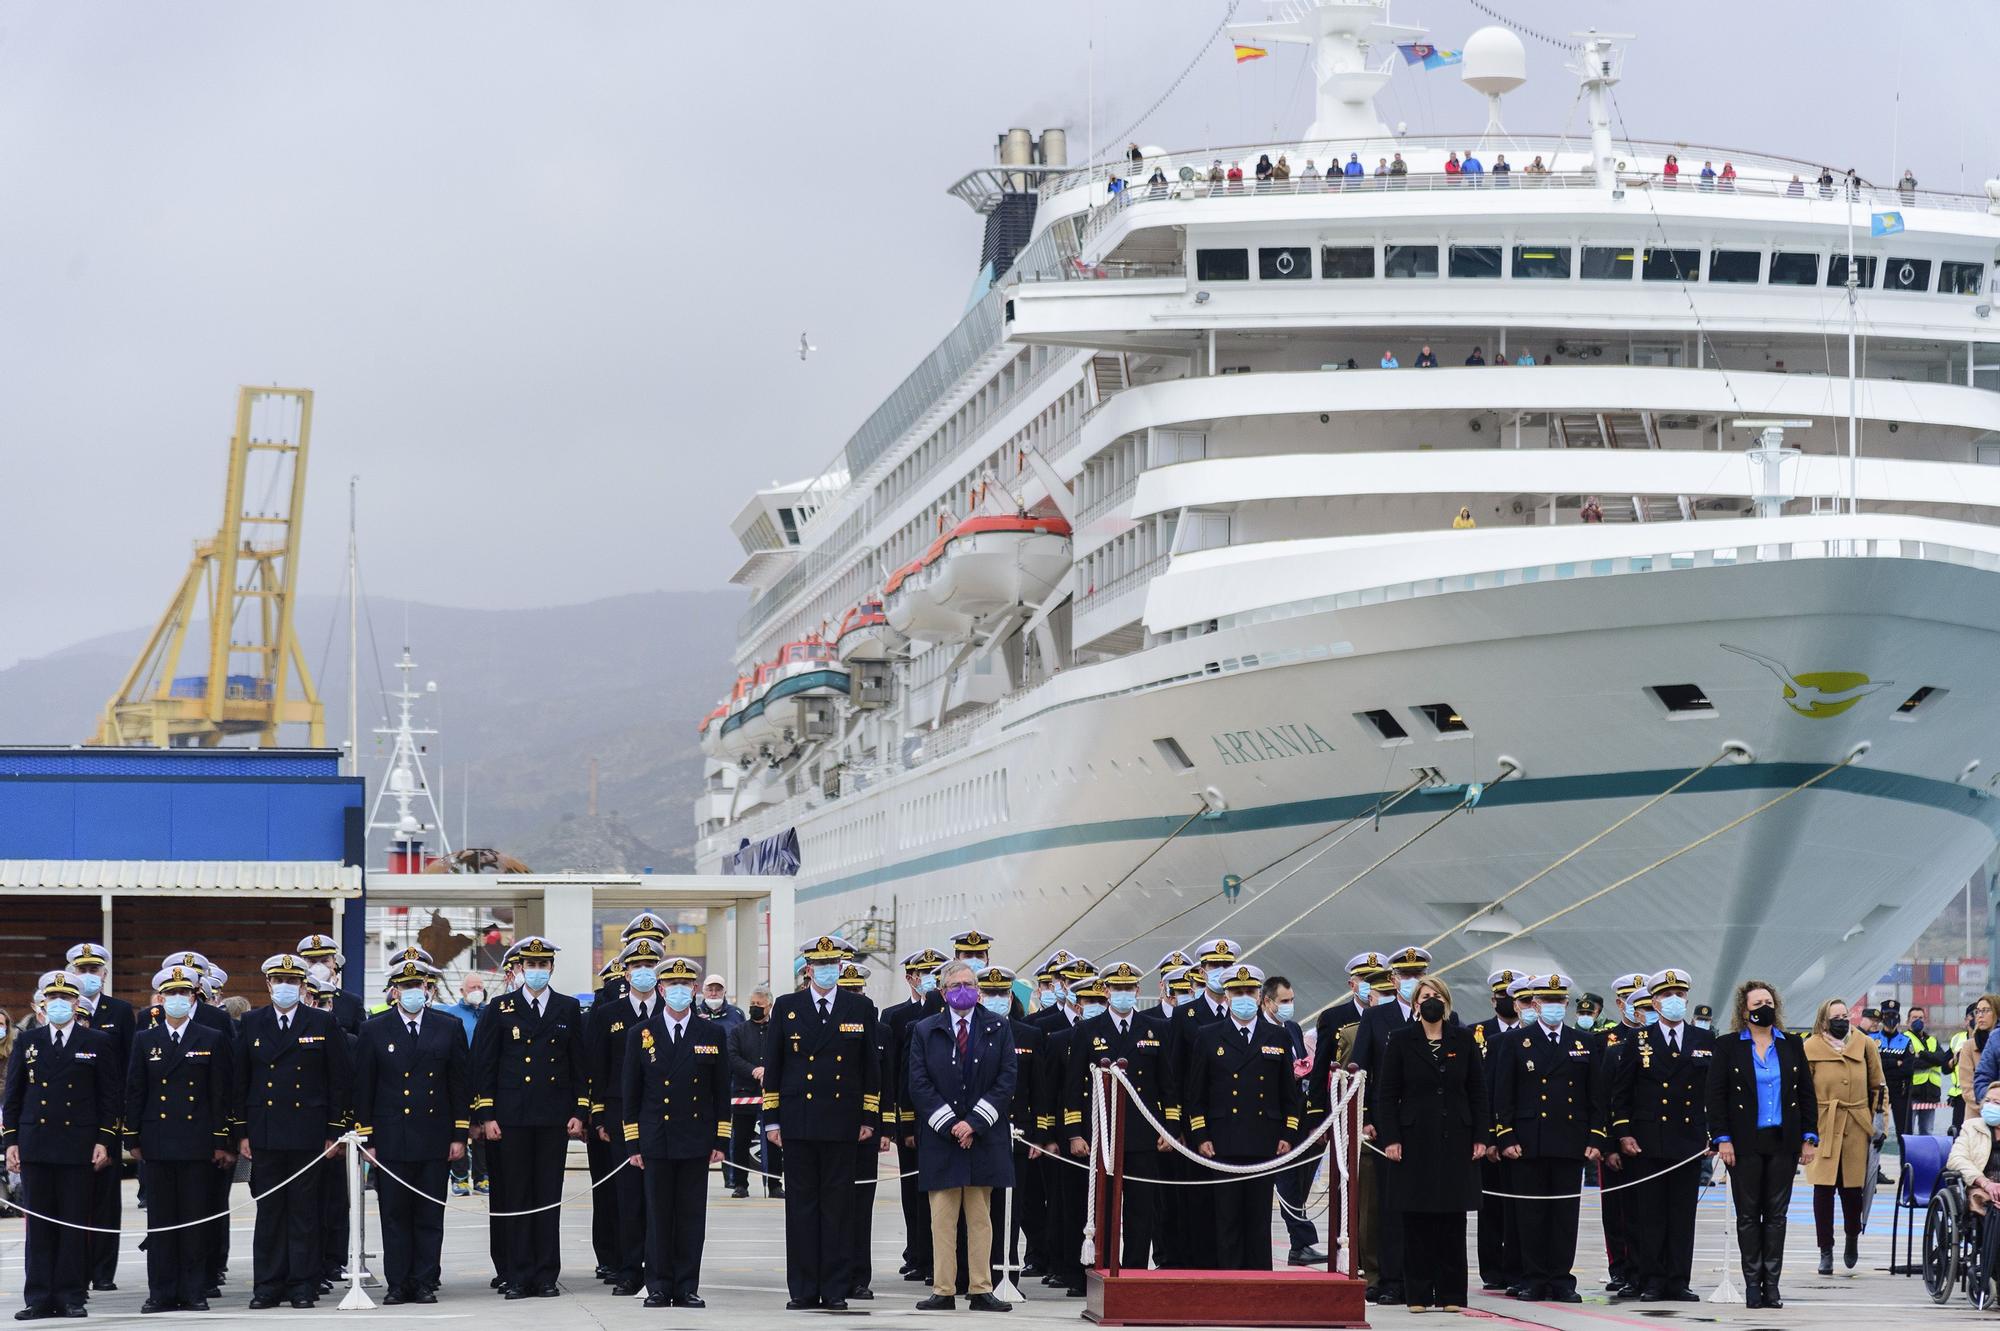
{"x":865,"y":635}
{"x":980,"y":568}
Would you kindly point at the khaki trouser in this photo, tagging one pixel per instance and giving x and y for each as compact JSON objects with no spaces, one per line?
{"x":977,"y":1206}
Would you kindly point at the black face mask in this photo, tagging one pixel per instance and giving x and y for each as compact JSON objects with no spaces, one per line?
{"x":1431,"y":1009}
{"x":1838,"y":1028}
{"x":1504,"y":1006}
{"x":1760,"y":1016}
{"x":757,"y":1013}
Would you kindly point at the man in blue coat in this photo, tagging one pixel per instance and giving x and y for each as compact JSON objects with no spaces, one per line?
{"x":962,"y":1076}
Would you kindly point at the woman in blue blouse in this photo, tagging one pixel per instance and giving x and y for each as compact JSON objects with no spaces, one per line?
{"x":1762,"y":1118}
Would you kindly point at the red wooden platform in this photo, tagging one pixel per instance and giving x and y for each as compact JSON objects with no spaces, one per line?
{"x":1224,"y":1298}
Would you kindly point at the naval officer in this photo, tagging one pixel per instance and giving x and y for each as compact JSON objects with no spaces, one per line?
{"x":58,"y":1123}
{"x":610,"y":1214}
{"x":411,"y":1106}
{"x":1499,"y":1223}
{"x":822,"y":1103}
{"x":1122,"y":1033}
{"x":1407,"y":966}
{"x":89,"y":964}
{"x":530,"y":1093}
{"x":861,"y":1271}
{"x":1614,"y":1043}
{"x":1660,"y":1116}
{"x":920,"y":970}
{"x":674,"y":1108}
{"x":1243,"y":1106}
{"x":1544,"y":1102}
{"x":177,"y":1088}
{"x":292,"y":1073}
{"x":324,"y":963}
{"x":621,"y":1253}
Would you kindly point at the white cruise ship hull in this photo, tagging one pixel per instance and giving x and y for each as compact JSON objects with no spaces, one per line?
{"x":1067,"y":788}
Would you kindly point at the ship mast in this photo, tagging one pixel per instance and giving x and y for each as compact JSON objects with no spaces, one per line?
{"x":1340,"y":33}
{"x":1596,"y":68}
{"x":405,"y":783}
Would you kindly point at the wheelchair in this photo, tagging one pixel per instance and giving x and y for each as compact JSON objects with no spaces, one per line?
{"x":1960,"y":1250}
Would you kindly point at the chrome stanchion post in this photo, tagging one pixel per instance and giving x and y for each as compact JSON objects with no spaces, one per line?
{"x":1004,"y":1289}
{"x":357,"y":1271}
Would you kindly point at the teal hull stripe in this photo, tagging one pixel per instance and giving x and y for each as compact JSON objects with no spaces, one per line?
{"x":818,"y":679}
{"x":1901,"y":786}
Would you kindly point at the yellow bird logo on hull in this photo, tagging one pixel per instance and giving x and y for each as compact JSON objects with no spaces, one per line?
{"x":1822,"y":693}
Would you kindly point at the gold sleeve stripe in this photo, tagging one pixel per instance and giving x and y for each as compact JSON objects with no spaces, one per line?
{"x":722,"y":1127}
{"x":463,"y":1124}
{"x":631,"y":1132}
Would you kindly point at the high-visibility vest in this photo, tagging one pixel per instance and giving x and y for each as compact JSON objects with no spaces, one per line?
{"x":1929,"y":1076}
{"x":1951,"y":1087}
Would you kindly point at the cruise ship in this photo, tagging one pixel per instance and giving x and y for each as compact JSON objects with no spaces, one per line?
{"x":1592,"y":564}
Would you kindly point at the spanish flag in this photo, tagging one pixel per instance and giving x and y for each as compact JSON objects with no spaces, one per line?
{"x":1249,"y":53}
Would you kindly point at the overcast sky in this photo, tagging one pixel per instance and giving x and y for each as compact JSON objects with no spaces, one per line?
{"x":547,"y":264}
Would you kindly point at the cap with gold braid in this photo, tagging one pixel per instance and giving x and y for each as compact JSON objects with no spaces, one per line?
{"x":536,"y":948}
{"x":642,"y":951}
{"x":996,"y":980}
{"x":1179,"y":980}
{"x":176,"y":980}
{"x":679,"y":970}
{"x":853,"y":975}
{"x":645,"y":925}
{"x":926,"y":959}
{"x":1410,"y":960}
{"x":826,"y":947}
{"x":1242,"y":976}
{"x":410,"y":971}
{"x":972,"y":943}
{"x":1121,"y":972}
{"x":1175,"y":960}
{"x":284,"y":965}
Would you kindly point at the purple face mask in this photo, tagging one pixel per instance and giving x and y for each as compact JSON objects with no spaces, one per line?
{"x":962,"y":997}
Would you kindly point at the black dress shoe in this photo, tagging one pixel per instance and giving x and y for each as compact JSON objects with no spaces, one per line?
{"x":1489,"y":1286}
{"x":625,"y":1289}
{"x":1771,"y":1299}
{"x":1653,"y":1294}
{"x":1074,"y":1292}
{"x":739,"y":1193}
{"x":690,"y":1301}
{"x":924,"y":1276}
{"x":395,"y":1297}
{"x":212,"y":1292}
{"x":516,"y":1292}
{"x":658,"y":1301}
{"x":1387,"y":1293}
{"x":156,"y":1306}
{"x":800,"y":1305}
{"x":103,"y":1286}
{"x":1567,"y":1296}
{"x":1033,"y":1271}
{"x":195,"y":1306}
{"x":303,"y":1303}
{"x":1753,"y":1295}
{"x":1304,"y":1257}
{"x":30,"y":1314}
{"x":863,"y":1293}
{"x":604,"y":1273}
{"x":423,"y":1296}
{"x":835,"y":1305}
{"x":548,"y":1291}
{"x":937,"y":1303}
{"x":261,"y":1302}
{"x":72,"y":1310}
{"x":497,"y":1282}
{"x":1529,"y":1293}
{"x":1852,"y":1252}
{"x":986,"y":1303}
{"x":777,"y":1193}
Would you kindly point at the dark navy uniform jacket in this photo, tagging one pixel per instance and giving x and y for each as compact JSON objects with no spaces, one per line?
{"x":292,"y":1086}
{"x":411,"y":1099}
{"x":60,"y":1103}
{"x":116,"y":1018}
{"x":978,"y":1089}
{"x":1660,"y":1098}
{"x":675,"y":1094}
{"x":1035,"y":1109}
{"x":1542,"y":1089}
{"x":1242,"y":1096}
{"x":529,"y":1069}
{"x":349,"y":1013}
{"x":822,"y":1076}
{"x":1057,"y":1037}
{"x":608,"y":1026}
{"x":1146,"y":1049}
{"x":177,"y":1093}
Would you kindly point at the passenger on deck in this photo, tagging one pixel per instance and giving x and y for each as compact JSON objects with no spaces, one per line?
{"x":1797,"y":189}
{"x":1536,"y":168}
{"x":1475,"y":358}
{"x":1592,"y":511}
{"x":1451,"y":166}
{"x":1425,"y":359}
{"x":1472,"y":166}
{"x":1235,"y":176}
{"x":1157,"y":185}
{"x":1264,"y":169}
{"x":1728,"y":176}
{"x":1670,"y":174}
{"x":1354,"y":165}
{"x":1282,"y":172}
{"x":1399,"y":167}
{"x":1907,"y":187}
{"x":1853,"y":183}
{"x":1137,"y":158}
{"x":1826,"y":182}
{"x":1333,"y":171}
{"x":1464,"y":521}
{"x":1215,"y":176}
{"x":1500,"y":169}
{"x":1115,"y":187}
{"x":1525,"y":358}
{"x":1708,"y":175}
{"x":1389,"y":361}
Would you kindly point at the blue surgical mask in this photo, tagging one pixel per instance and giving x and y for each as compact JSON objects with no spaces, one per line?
{"x":285,"y":994}
{"x":1214,"y":979}
{"x":1364,"y":996}
{"x":680,"y":997}
{"x":91,"y":985}
{"x":978,"y":964}
{"x":927,"y":982}
{"x":825,"y":974}
{"x":998,"y":1004}
{"x":1406,"y":988}
{"x":643,"y":978}
{"x":1652,"y":1018}
{"x":1286,"y":1011}
{"x":1701,"y":1024}
{"x":1123,"y":1001}
{"x":1243,"y":1007}
{"x":1989,"y":1114}
{"x":1674,"y":1007}
{"x":177,"y":1006}
{"x":535,"y":977}
{"x":1092,"y":1010}
{"x":1554,"y":1014}
{"x":1586,"y":1022}
{"x":1631,"y":1011}
{"x":59,"y":1011}
{"x":413,"y":1000}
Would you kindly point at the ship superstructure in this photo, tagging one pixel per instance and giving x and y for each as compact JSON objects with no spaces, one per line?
{"x":1380,"y":540}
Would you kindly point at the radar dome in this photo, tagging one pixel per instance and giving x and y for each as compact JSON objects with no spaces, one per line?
{"x":1495,"y":62}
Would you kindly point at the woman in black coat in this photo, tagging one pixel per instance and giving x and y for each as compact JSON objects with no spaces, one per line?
{"x":1763,"y":1118}
{"x":1432,"y":1122}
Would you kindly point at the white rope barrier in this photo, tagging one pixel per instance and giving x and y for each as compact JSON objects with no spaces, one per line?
{"x":184,"y":1224}
{"x":1571,"y":1196}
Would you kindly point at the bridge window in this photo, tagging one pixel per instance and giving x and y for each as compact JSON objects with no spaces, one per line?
{"x":1286,"y":263}
{"x":1672,"y":266}
{"x":1907,"y":275}
{"x":1607,"y":263}
{"x":1475,"y":261}
{"x":1683,"y":699}
{"x":1543,"y":261}
{"x":1410,"y":261}
{"x":1794,"y":270}
{"x":1340,"y":262}
{"x":1444,"y":718}
{"x":1735,"y":265}
{"x":1222,"y":265}
{"x":1960,"y":279}
{"x":1836,"y":271}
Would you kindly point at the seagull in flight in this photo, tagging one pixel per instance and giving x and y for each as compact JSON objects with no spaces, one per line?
{"x":1806,"y":699}
{"x":805,"y":348}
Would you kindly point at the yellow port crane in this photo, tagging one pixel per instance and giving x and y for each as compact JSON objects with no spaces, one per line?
{"x":255,"y":678}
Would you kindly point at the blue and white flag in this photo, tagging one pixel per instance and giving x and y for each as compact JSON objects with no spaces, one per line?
{"x":1885,"y":224}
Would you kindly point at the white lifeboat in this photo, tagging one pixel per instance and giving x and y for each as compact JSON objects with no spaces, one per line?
{"x":990,"y":565}
{"x":865,"y":635}
{"x":740,"y":735}
{"x":809,"y":668}
{"x":711,"y":729}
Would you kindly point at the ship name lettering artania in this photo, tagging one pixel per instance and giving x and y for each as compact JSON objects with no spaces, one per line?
{"x":1264,"y":744}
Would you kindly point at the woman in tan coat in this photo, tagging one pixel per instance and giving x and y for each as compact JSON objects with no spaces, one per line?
{"x":1847,"y":1082}
{"x":1983,"y":1013}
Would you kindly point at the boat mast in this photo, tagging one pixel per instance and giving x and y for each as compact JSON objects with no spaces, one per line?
{"x":1596,"y":68}
{"x":353,"y":637}
{"x":1853,"y":300}
{"x":405,"y":783}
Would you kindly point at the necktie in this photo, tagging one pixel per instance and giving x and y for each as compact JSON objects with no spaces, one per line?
{"x":413,"y":1030}
{"x":62,"y":1038}
{"x":825,"y":1008}
{"x":284,"y":1022}
{"x":676,"y":1028}
{"x":1246,"y":1035}
{"x":1674,"y":1039}
{"x":964,"y":1038}
{"x":176,"y":1034}
{"x":1121,"y":1029}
